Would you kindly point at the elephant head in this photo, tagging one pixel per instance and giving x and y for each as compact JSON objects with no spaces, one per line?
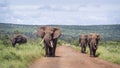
{"x":48,"y":34}
{"x":94,"y":38}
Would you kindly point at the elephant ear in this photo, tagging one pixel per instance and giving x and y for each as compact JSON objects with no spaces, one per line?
{"x":41,"y":31}
{"x":57,"y":33}
{"x":98,"y":36}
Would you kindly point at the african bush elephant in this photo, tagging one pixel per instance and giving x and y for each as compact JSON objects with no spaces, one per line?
{"x":49,"y":36}
{"x":20,"y":39}
{"x":83,"y":42}
{"x":93,"y":42}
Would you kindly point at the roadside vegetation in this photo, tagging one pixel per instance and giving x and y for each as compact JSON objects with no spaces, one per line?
{"x":109,"y":51}
{"x":20,"y":56}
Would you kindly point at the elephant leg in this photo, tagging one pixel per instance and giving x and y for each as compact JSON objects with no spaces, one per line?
{"x":94,"y":52}
{"x":81,"y":48}
{"x":53,"y":51}
{"x":50,"y":51}
{"x":91,"y":51}
{"x":90,"y":48}
{"x":54,"y":47}
{"x":46,"y":51}
{"x":13,"y":44}
{"x":84,"y":49}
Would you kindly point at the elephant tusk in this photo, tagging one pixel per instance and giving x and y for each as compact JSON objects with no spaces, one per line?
{"x":41,"y":41}
{"x":42,"y":44}
{"x":51,"y":43}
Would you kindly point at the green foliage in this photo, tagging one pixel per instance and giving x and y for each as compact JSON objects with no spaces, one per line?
{"x":20,"y":56}
{"x":61,"y":42}
{"x":75,"y":42}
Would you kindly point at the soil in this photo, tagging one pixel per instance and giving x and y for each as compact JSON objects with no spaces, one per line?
{"x":67,"y":57}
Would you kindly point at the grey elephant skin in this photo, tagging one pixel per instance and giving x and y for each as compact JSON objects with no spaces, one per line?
{"x":93,"y":42}
{"x":83,"y":42}
{"x":50,"y":36}
{"x":20,"y":39}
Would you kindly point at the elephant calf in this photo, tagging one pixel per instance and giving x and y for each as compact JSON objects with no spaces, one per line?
{"x":19,"y":39}
{"x":49,"y":36}
{"x":93,"y":41}
{"x":83,"y":42}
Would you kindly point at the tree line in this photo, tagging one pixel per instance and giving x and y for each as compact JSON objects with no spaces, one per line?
{"x":69,"y":32}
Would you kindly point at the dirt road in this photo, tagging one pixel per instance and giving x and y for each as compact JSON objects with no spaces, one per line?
{"x":66,"y":57}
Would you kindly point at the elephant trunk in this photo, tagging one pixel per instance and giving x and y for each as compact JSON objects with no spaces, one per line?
{"x":94,"y":46}
{"x":49,"y":42}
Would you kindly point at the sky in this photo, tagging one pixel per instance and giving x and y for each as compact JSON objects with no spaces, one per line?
{"x":60,"y":12}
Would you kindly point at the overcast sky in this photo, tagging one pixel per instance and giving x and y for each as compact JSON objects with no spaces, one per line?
{"x":60,"y":12}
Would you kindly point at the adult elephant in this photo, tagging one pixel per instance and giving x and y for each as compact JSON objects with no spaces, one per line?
{"x":93,"y":42}
{"x":20,"y":39}
{"x":83,"y":42}
{"x":49,"y":36}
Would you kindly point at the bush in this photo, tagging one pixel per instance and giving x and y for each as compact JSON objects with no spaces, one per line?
{"x":75,"y":42}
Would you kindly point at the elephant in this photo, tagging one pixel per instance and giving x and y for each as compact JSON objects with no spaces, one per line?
{"x":93,"y":41}
{"x":83,"y":42}
{"x":49,"y":36}
{"x":20,"y":39}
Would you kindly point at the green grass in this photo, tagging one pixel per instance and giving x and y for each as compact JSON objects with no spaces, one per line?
{"x":21,"y":56}
{"x":109,"y":51}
